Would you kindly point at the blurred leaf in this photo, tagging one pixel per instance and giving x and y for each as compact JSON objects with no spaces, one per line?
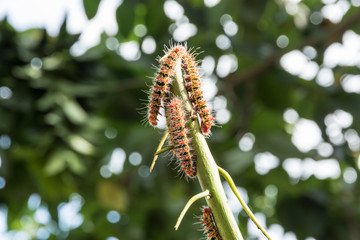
{"x":125,"y":16}
{"x":91,"y":7}
{"x":58,"y":161}
{"x":73,"y":110}
{"x":62,"y":158}
{"x":112,"y":196}
{"x":80,"y":144}
{"x":53,"y":62}
{"x":76,"y":166}
{"x":46,"y":102}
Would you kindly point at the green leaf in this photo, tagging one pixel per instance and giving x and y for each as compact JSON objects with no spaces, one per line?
{"x":80,"y":144}
{"x":91,"y":7}
{"x":62,"y":158}
{"x":125,"y":16}
{"x":156,"y":23}
{"x":76,"y":166}
{"x":74,"y":111}
{"x":57,"y":161}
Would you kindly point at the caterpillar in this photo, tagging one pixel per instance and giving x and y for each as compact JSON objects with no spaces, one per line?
{"x":207,"y":220}
{"x":193,"y":85}
{"x":166,"y":70}
{"x":175,"y":119}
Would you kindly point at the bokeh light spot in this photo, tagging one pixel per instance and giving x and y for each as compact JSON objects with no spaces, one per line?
{"x":246,"y":142}
{"x":325,"y":149}
{"x":231,"y":28}
{"x":144,"y":171}
{"x":306,"y":135}
{"x":223,"y":116}
{"x":105,"y":171}
{"x":350,"y":175}
{"x":2,"y":182}
{"x":135,"y":158}
{"x":34,"y":201}
{"x":316,"y":18}
{"x":5,"y":93}
{"x":271,"y":191}
{"x":173,"y":10}
{"x":140,"y":30}
{"x":5,"y":141}
{"x":264,"y":162}
{"x":211,"y":3}
{"x":226,"y":65}
{"x":148,"y":46}
{"x":290,"y":116}
{"x":282,"y":41}
{"x":42,"y":215}
{"x":117,"y":160}
{"x":184,"y":31}
{"x":110,"y":133}
{"x":112,"y":43}
{"x":113,"y":216}
{"x":223,"y":42}
{"x":310,"y":52}
{"x":130,"y":50}
{"x":36,"y":63}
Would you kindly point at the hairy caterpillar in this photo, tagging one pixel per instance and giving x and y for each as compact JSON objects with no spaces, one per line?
{"x":175,"y":120}
{"x":207,"y":220}
{"x":193,"y":85}
{"x":167,"y":65}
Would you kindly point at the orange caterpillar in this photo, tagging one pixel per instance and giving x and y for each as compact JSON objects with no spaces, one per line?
{"x":168,"y":63}
{"x":193,"y":85}
{"x":175,"y":120}
{"x":207,"y":220}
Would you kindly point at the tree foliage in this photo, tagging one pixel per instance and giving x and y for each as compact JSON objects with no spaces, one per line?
{"x":67,"y":117}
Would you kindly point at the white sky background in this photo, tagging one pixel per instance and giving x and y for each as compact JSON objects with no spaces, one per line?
{"x":306,"y":135}
{"x":51,"y":14}
{"x":24,"y":14}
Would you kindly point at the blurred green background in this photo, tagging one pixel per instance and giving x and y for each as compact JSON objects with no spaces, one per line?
{"x":282,"y":78}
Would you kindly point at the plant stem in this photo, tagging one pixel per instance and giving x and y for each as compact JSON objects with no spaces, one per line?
{"x":231,"y":183}
{"x":188,"y":204}
{"x":207,"y":170}
{"x":165,"y":149}
{"x":156,"y":155}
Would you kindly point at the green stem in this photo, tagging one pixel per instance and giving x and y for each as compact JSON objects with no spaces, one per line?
{"x":165,"y":149}
{"x":162,"y":141}
{"x":188,"y":204}
{"x":231,"y":183}
{"x":207,"y":171}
